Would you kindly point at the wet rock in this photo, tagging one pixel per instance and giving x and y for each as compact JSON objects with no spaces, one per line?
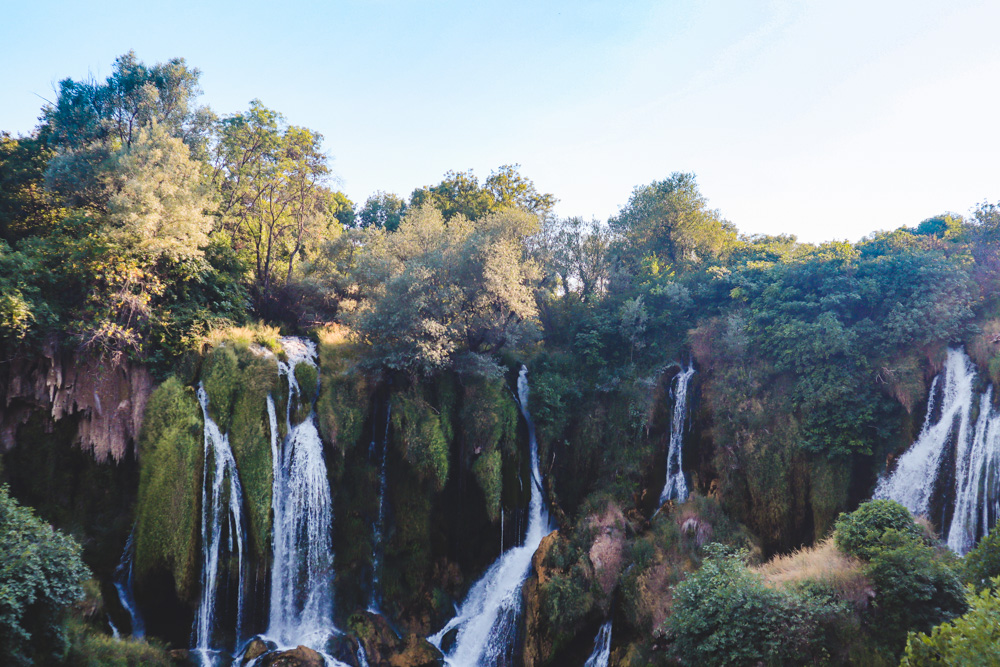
{"x":256,"y":648}
{"x":385,"y":648}
{"x":301,"y":656}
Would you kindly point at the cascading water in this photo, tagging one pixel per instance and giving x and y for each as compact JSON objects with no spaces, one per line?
{"x":949,"y":427}
{"x":301,"y":610}
{"x":602,"y":648}
{"x":378,"y":532}
{"x":675,"y":487}
{"x":123,"y":584}
{"x":221,"y":516}
{"x":487,"y":620}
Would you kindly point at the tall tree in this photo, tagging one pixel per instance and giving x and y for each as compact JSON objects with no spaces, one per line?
{"x":273,"y":199}
{"x":669,"y":222}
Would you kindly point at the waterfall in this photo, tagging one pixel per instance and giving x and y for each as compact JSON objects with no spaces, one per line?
{"x":123,"y":584}
{"x":221,"y":515}
{"x":675,"y":487}
{"x":487,"y":620}
{"x":602,"y":648}
{"x":378,"y":531}
{"x":950,"y":428}
{"x":301,"y":610}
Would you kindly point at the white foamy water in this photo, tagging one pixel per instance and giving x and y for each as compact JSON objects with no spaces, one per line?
{"x":675,"y":487}
{"x":488,"y":617}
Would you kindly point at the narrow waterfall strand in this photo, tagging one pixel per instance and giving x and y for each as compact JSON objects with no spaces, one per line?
{"x":602,"y":648}
{"x":123,"y":578}
{"x":675,"y":487}
{"x":487,"y":620}
{"x":222,"y":508}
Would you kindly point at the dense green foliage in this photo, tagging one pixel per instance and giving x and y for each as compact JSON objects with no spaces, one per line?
{"x":134,"y":223}
{"x":862,"y":532}
{"x":167,"y":509}
{"x":971,"y":639}
{"x":724,"y":614}
{"x":41,"y":573}
{"x":982,"y":565}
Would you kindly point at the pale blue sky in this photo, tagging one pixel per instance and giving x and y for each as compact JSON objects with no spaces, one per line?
{"x":826,"y":119}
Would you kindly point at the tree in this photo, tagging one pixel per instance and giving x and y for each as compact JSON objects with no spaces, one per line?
{"x":461,"y":194}
{"x":273,"y":200}
{"x":41,"y":575}
{"x":90,"y":121}
{"x":383,"y":210}
{"x":670,"y":220}
{"x":434,"y":294}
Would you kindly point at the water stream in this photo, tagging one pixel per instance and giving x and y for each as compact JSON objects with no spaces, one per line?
{"x":675,"y":487}
{"x":602,"y":648}
{"x":487,"y":620}
{"x":961,"y":430}
{"x":301,"y":610}
{"x":378,"y":531}
{"x":123,"y":577}
{"x":222,"y":537}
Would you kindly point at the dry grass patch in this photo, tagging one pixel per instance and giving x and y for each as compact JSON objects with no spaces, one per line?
{"x":822,"y":564}
{"x":261,"y":334}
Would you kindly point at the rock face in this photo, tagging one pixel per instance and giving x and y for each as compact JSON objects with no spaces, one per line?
{"x":109,"y":399}
{"x":384,"y":648}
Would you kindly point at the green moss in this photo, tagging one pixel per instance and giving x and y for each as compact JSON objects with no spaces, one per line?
{"x":488,"y":417}
{"x":250,"y":439}
{"x":305,"y":376}
{"x":170,"y":471}
{"x":417,"y":433}
{"x":488,"y":471}
{"x":344,"y":393}
{"x":221,"y":377}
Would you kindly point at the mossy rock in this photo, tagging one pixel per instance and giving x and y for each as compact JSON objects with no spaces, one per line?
{"x":488,"y":471}
{"x":345,"y":391}
{"x":417,"y":434}
{"x":306,"y":376}
{"x":171,"y":454}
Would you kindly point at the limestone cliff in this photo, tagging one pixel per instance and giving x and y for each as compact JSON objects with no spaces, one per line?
{"x":109,"y":400}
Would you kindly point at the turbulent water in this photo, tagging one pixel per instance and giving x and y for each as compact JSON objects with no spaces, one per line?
{"x":675,"y":487}
{"x":123,"y":578}
{"x":602,"y":648}
{"x":221,"y":517}
{"x":487,"y":620}
{"x":301,"y":610}
{"x":961,"y":430}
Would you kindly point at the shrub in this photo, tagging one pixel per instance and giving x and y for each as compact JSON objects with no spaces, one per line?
{"x":971,"y":639}
{"x":860,"y":533}
{"x":914,"y":590}
{"x":41,"y":572}
{"x":983,"y":563}
{"x":90,"y":649}
{"x":725,"y":614}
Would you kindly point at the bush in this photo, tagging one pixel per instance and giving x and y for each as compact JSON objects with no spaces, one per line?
{"x":983,"y":563}
{"x":971,"y":639}
{"x":914,"y":590}
{"x":860,"y":533}
{"x":41,"y":572}
{"x":724,"y":614}
{"x":90,"y":649}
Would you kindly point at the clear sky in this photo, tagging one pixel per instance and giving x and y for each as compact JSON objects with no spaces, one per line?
{"x":826,"y":119}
